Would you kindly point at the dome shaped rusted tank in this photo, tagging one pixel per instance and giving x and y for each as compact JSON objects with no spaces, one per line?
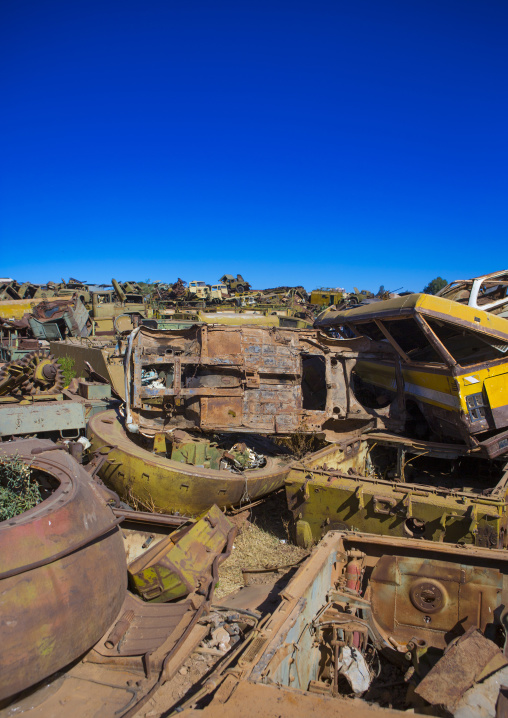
{"x":63,"y":572}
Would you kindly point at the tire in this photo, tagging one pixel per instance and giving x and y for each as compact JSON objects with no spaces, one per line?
{"x":240,"y":289}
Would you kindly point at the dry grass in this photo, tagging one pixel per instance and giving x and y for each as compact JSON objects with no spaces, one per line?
{"x":146,"y":504}
{"x":301,"y":442}
{"x":262,"y":542}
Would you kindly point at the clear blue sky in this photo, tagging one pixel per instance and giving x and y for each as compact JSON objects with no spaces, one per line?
{"x":316,"y":143}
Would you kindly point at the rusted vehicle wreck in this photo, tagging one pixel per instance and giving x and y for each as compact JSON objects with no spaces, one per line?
{"x":399,"y":622}
{"x":449,"y":371}
{"x":68,"y":616}
{"x":221,"y":378}
{"x":184,"y":387}
{"x":395,"y":486}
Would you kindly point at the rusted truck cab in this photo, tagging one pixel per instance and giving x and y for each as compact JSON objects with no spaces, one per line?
{"x":451,"y":366}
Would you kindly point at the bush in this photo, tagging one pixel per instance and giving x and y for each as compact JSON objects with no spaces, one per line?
{"x":435,"y":286}
{"x":67,"y":364}
{"x":18,"y":490}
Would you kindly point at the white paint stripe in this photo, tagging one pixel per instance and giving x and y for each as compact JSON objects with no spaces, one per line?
{"x":433,"y":394}
{"x":425,"y":393}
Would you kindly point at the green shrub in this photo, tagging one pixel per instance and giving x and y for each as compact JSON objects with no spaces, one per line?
{"x":18,"y":490}
{"x":67,"y":364}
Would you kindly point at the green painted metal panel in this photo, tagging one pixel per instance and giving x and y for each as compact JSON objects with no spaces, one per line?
{"x":16,"y":419}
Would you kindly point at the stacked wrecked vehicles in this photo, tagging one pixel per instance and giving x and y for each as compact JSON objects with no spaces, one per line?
{"x":449,"y":372}
{"x":443,"y":475}
{"x":407,"y":397}
{"x":405,"y":623}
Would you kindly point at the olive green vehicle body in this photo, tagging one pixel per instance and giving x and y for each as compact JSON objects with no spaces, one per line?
{"x":325,"y":297}
{"x":107,"y":307}
{"x":173,"y":486}
{"x":337,"y":489}
{"x":235,"y":316}
{"x":238,"y":285}
{"x":175,"y":566}
{"x":105,"y":356}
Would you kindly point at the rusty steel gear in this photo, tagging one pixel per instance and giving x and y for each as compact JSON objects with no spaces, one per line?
{"x":39,"y":372}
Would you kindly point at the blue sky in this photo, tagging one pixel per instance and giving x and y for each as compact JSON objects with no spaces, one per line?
{"x":316,"y":143}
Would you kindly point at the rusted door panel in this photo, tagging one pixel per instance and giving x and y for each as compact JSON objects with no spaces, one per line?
{"x":429,"y":597}
{"x":226,"y":347}
{"x":221,"y":412}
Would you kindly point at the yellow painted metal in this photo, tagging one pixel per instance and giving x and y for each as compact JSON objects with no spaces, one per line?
{"x":231,"y":318}
{"x":345,"y":496}
{"x":438,"y":387}
{"x":170,"y":486}
{"x":17,"y":308}
{"x":176,"y":565}
{"x":325,"y":298}
{"x":496,"y":386}
{"x":159,"y":444}
{"x":442,"y":384}
{"x":431,"y":305}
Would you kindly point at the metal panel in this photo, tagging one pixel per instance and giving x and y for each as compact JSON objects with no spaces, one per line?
{"x":45,"y":330}
{"x":41,"y":416}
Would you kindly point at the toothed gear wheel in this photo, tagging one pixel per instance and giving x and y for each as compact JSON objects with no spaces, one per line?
{"x":4,"y":369}
{"x":44,"y":374}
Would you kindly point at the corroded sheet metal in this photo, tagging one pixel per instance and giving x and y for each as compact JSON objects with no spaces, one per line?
{"x":450,"y":370}
{"x":170,"y":485}
{"x":241,"y":379}
{"x":335,"y":490}
{"x":379,"y":597}
{"x":472,"y":657}
{"x":181,"y":563}
{"x":141,"y":627}
{"x":141,"y":649}
{"x":252,"y":700}
{"x":22,"y":419}
{"x":409,"y":599}
{"x":433,"y":598}
{"x":58,"y":593}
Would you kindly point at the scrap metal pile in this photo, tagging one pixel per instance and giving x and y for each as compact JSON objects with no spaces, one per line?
{"x":386,"y":423}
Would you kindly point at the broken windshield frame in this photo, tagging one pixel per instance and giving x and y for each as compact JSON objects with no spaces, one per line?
{"x":427,"y":340}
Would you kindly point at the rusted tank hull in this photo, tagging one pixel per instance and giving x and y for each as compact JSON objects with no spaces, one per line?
{"x":171,"y":486}
{"x":62,"y":573}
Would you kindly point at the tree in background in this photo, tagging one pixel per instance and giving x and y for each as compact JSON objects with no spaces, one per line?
{"x":435,"y":285}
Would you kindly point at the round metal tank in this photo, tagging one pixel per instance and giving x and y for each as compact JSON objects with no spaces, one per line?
{"x":63,"y":573}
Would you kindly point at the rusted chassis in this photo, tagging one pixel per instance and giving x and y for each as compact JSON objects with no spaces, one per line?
{"x":58,"y":593}
{"x":172,"y":486}
{"x":220,"y":378}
